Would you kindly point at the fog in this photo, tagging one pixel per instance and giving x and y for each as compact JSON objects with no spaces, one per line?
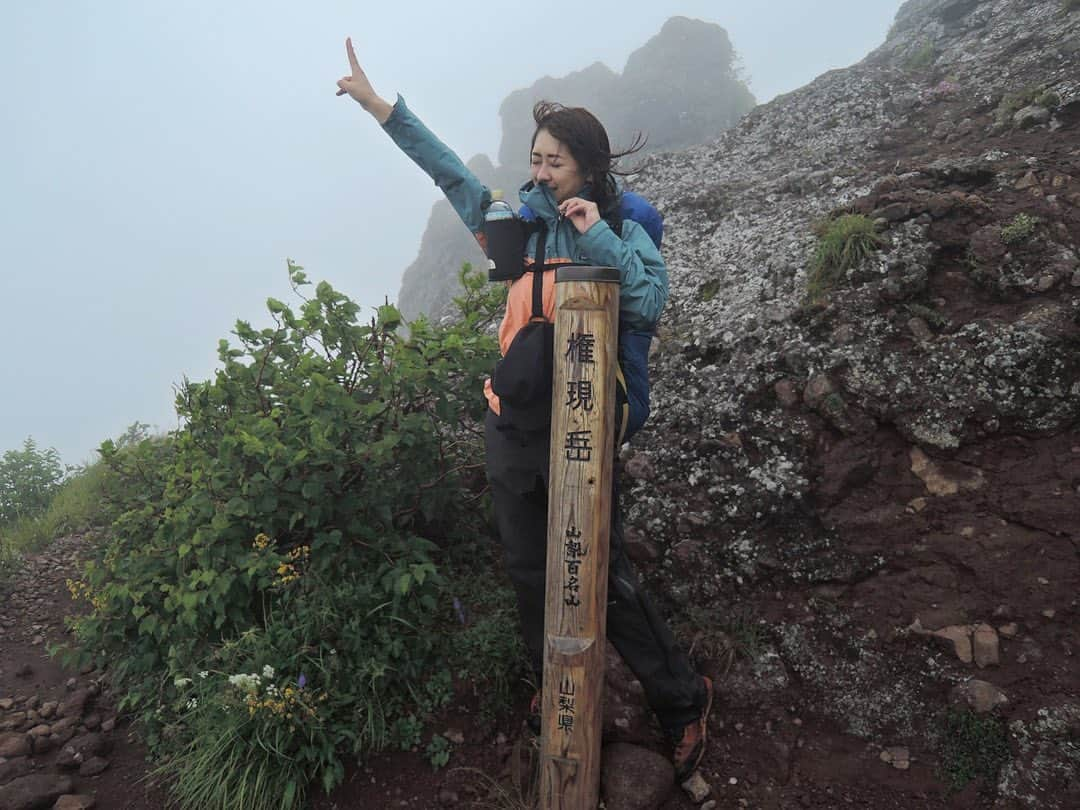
{"x":160,"y":163}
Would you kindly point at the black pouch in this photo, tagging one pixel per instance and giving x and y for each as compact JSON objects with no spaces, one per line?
{"x":505,"y":247}
{"x":523,"y":377}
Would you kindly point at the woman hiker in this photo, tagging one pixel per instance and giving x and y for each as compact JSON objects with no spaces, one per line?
{"x":573,"y":195}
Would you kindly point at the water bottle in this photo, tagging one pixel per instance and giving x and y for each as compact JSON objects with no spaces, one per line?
{"x":505,"y":237}
{"x":499,"y":209}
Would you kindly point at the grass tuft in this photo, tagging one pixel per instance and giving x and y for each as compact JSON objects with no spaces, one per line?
{"x":708,"y":290}
{"x":923,"y":57}
{"x":842,"y":244}
{"x":219,"y":772}
{"x":1020,"y":229}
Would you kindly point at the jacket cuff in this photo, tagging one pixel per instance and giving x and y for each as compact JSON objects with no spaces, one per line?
{"x":397,"y":112}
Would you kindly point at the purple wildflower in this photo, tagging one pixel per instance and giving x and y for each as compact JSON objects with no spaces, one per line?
{"x":459,"y":610}
{"x":301,"y":681}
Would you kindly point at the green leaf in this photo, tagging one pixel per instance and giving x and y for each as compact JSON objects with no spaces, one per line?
{"x":148,"y":625}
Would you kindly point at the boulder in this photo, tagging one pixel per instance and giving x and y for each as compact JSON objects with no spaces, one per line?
{"x":74,"y":704}
{"x":74,"y":801}
{"x":959,"y":638}
{"x":14,"y":768}
{"x":1032,"y":116}
{"x":697,"y":788}
{"x":14,"y":744}
{"x":634,"y":778}
{"x":34,"y":791}
{"x":980,"y":696}
{"x":985,"y":644}
{"x":93,"y":766}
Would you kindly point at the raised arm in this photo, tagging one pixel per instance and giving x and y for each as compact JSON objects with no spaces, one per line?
{"x":469,"y":197}
{"x":359,"y":88}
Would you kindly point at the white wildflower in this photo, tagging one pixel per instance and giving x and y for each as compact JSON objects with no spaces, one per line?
{"x":247,"y":682}
{"x":180,"y":683}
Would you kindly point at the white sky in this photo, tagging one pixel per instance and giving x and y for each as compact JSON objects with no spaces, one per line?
{"x":160,"y":161}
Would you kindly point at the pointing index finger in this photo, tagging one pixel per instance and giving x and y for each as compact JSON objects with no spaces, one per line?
{"x":352,"y":54}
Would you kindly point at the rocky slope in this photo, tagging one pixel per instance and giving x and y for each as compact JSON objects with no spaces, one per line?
{"x":681,"y":88}
{"x":874,"y":495}
{"x":862,"y":512}
{"x":881,"y":489}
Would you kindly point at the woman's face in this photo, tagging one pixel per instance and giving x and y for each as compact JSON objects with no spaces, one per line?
{"x":554,"y":167}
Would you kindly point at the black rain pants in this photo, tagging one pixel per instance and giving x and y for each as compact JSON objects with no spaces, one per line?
{"x":517,"y":471}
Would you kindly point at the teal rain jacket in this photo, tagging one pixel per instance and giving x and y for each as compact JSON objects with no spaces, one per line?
{"x":643,"y":288}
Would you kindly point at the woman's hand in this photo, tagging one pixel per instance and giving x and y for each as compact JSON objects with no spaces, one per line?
{"x":359,"y":88}
{"x":583,"y":214}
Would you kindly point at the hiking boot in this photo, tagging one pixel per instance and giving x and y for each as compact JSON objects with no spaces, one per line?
{"x":532,"y":719}
{"x":690,"y":743}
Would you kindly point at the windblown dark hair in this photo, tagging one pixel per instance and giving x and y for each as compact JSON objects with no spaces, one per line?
{"x":588,"y":142}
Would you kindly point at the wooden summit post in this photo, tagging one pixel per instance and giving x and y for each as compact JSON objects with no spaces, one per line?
{"x":579,"y":524}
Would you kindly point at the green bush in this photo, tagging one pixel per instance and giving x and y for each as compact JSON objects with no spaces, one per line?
{"x":1014,"y":101}
{"x":438,"y":751}
{"x":1019,"y":230}
{"x":922,"y":57}
{"x":1049,"y":98}
{"x":28,"y":480}
{"x":972,"y":746}
{"x":275,"y":593}
{"x":73,"y":505}
{"x":488,"y":632}
{"x":843,"y":243}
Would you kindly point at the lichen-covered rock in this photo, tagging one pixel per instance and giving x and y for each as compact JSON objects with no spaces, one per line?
{"x":1043,"y":774}
{"x":1032,"y":116}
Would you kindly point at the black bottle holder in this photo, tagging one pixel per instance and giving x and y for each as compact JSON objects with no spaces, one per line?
{"x":505,"y":249}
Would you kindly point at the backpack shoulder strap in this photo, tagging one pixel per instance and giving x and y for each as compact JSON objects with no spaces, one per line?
{"x":539,"y":266}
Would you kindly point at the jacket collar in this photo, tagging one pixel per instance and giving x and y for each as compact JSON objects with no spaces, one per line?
{"x":542,"y":203}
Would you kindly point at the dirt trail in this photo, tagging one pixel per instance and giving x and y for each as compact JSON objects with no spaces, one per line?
{"x":56,"y":709}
